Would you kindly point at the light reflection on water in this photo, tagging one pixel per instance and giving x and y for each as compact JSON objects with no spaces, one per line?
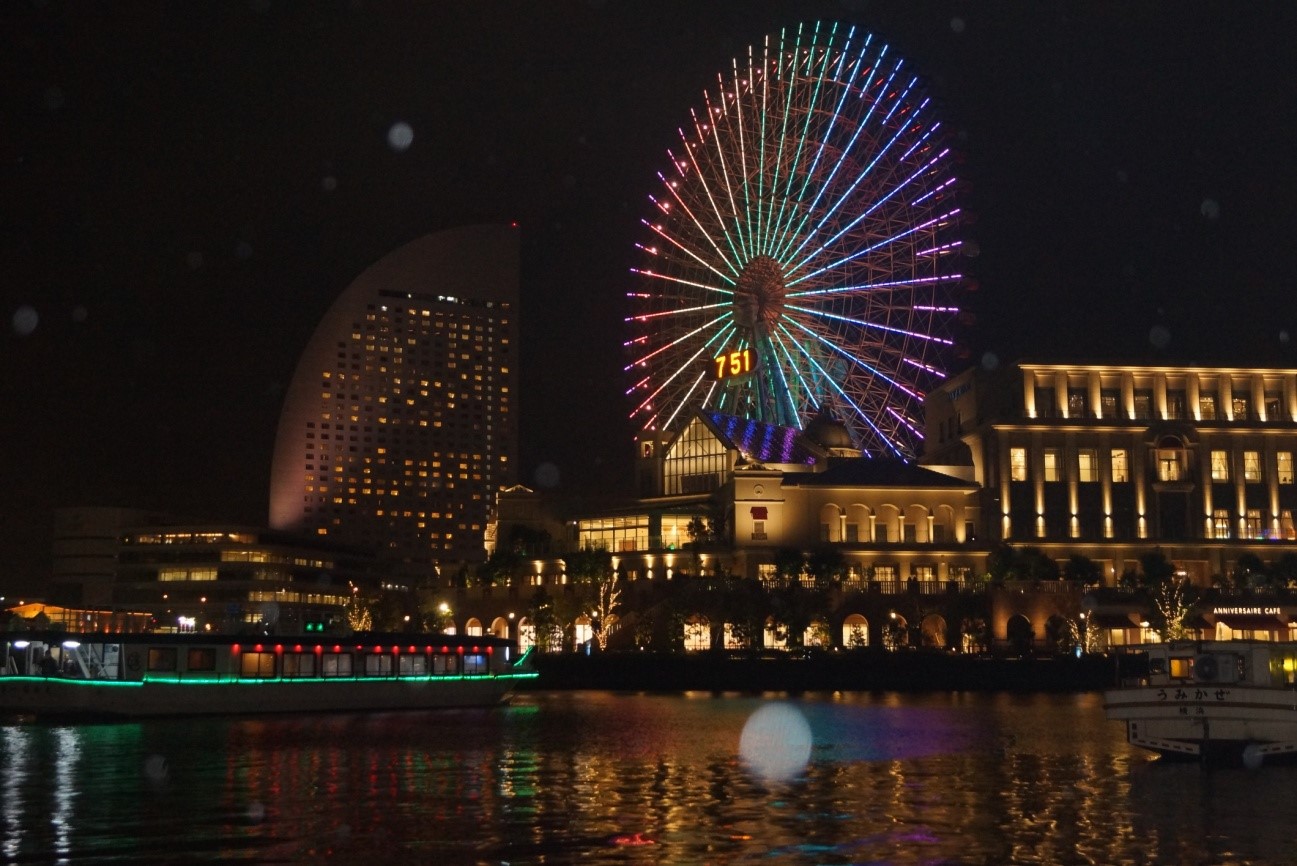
{"x":556,"y":778}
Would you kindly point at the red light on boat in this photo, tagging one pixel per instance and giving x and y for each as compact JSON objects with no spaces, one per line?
{"x":297,"y":648}
{"x":337,"y":648}
{"x":378,"y":649}
{"x":234,"y":649}
{"x":318,"y":649}
{"x":445,"y":649}
{"x":412,"y":649}
{"x":257,"y":648}
{"x":279,"y":647}
{"x":489,"y":650}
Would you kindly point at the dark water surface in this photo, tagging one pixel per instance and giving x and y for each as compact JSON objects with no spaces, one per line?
{"x":599,"y":777}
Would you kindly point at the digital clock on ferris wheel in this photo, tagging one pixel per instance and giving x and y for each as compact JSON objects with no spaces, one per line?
{"x":734,"y":365}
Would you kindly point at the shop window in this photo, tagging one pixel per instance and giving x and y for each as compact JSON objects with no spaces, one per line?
{"x":1077,"y":403}
{"x":1087,"y":465}
{"x":1283,"y":461}
{"x":1018,"y":464}
{"x":1220,"y":466}
{"x":1175,"y":405}
{"x":1120,"y":466}
{"x":1252,"y":466}
{"x":1052,"y":467}
{"x":1108,"y":402}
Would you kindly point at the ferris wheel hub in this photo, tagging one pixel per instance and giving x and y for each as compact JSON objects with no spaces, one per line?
{"x":759,"y":294}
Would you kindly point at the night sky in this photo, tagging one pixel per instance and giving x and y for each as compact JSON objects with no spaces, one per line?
{"x":186,"y":187}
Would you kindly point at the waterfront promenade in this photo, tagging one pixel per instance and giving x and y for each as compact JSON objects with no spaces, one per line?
{"x":856,"y":670}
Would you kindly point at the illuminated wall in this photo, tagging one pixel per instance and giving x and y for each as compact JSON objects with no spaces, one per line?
{"x":401,"y":418}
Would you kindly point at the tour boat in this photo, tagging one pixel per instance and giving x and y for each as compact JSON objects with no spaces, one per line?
{"x":1210,"y":700}
{"x":55,"y":674}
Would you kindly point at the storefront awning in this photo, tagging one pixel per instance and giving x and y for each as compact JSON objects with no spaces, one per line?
{"x":1253,"y":622}
{"x":1112,"y":620}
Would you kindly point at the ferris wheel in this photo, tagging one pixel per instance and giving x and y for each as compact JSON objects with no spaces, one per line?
{"x":801,"y":249}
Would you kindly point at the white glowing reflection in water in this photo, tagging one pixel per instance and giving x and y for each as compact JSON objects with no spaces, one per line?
{"x":17,"y":754}
{"x":68,"y":756}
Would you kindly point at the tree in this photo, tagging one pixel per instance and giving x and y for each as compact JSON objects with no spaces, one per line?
{"x":1002,"y":562}
{"x":1284,"y":570}
{"x":1035,"y":564}
{"x":1155,"y":567}
{"x":1083,"y":570}
{"x":795,"y":606}
{"x":1250,"y":572}
{"x":744,"y":606}
{"x":1169,"y":592}
{"x":541,"y":614}
{"x":596,"y":591}
{"x":789,"y":563}
{"x":359,"y":617}
{"x":826,"y":564}
{"x":499,"y":569}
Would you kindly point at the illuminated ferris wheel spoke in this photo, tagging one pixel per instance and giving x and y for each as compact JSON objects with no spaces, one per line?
{"x":882,"y":200}
{"x":736,"y":217}
{"x":761,"y":138}
{"x":847,"y":194}
{"x":882,"y":288}
{"x":859,"y":362}
{"x":690,"y":148}
{"x":807,"y":390}
{"x":908,"y":424}
{"x":746,"y":218}
{"x":680,"y":340}
{"x":653,"y":396}
{"x":654,"y":275}
{"x":861,"y":323}
{"x":696,"y":256}
{"x":875,"y":247}
{"x":810,"y":220}
{"x":860,"y":412}
{"x":793,"y":231}
{"x":685,"y":402}
{"x":825,"y":139}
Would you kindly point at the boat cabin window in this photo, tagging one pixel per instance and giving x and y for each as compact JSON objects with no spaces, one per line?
{"x":1283,"y":668}
{"x":475,"y":664}
{"x":162,"y":658}
{"x":257,"y":665}
{"x":378,"y":665}
{"x":299,"y":664}
{"x":414,"y":665}
{"x":444,"y":664}
{"x":1181,"y":668}
{"x":336,"y":665}
{"x":201,"y":659}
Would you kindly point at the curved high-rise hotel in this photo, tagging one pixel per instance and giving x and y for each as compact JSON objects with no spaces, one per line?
{"x":402,"y":418}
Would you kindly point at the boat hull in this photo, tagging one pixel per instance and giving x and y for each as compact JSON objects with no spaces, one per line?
{"x":1235,"y":722}
{"x":72,"y":698}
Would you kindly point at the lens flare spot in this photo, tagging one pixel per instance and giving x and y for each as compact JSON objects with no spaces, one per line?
{"x":776,"y":742}
{"x":400,"y":136}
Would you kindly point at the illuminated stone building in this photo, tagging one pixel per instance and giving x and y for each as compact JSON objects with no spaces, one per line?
{"x":1111,"y":460}
{"x":729,"y":496}
{"x":401,"y":419}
